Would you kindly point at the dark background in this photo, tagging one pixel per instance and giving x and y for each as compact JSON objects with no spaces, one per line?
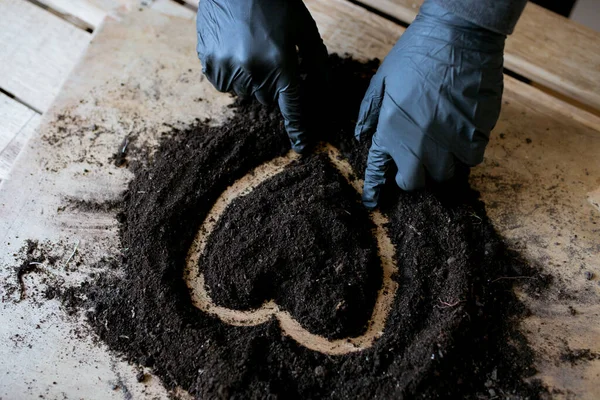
{"x":562,"y":7}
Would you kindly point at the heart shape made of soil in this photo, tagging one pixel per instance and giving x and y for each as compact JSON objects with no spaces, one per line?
{"x":301,"y":248}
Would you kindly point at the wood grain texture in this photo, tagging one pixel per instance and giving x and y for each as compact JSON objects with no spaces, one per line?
{"x":17,"y":124}
{"x":193,"y":3}
{"x":169,"y":7}
{"x":38,"y":52}
{"x":13,"y":117}
{"x":12,"y":150}
{"x":83,"y":10}
{"x":545,"y":47}
{"x":141,"y":75}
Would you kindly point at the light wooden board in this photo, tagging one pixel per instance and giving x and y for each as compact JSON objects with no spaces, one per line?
{"x":169,"y":7}
{"x":84,"y":14}
{"x":82,"y":10}
{"x":38,"y":52}
{"x":142,"y":73}
{"x":14,"y":117}
{"x":18,"y":124}
{"x":18,"y":120}
{"x":545,"y":47}
{"x":12,"y":151}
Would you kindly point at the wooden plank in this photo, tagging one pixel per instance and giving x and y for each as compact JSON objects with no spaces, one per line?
{"x":139,"y":73}
{"x":545,"y":47}
{"x":82,"y":10}
{"x":192,"y":3}
{"x":12,"y":151}
{"x":18,"y":124}
{"x":142,"y":73}
{"x":38,"y":52}
{"x":14,"y":117}
{"x":169,"y":7}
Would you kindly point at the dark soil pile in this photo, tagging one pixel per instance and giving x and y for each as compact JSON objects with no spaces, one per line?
{"x":449,"y":334}
{"x":302,"y":239}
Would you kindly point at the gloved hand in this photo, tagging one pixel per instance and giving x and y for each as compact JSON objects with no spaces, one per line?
{"x":433,"y":101}
{"x":249,"y":47}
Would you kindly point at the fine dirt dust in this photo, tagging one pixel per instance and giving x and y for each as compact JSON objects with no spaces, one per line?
{"x":451,"y":330}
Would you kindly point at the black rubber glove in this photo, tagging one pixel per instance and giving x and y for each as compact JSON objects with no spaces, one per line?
{"x":249,"y":47}
{"x":433,"y":101}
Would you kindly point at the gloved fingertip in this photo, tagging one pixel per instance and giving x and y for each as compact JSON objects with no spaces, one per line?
{"x":289,"y":105}
{"x":374,"y":174}
{"x":297,"y":135}
{"x":358,"y":131}
{"x":299,"y":146}
{"x":370,"y":198}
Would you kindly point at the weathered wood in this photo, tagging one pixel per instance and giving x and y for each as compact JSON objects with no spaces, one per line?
{"x":38,"y":52}
{"x":11,"y":152}
{"x":545,"y":47}
{"x":14,"y":117}
{"x":170,"y":7}
{"x":192,"y":3}
{"x":17,"y":124}
{"x":142,"y":73}
{"x":83,"y":10}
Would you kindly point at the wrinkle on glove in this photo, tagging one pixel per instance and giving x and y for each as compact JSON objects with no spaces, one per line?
{"x":433,"y":102}
{"x":250,"y":48}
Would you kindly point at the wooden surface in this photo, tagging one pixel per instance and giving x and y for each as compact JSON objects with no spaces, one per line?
{"x":169,"y":7}
{"x":545,"y":47}
{"x":141,"y":74}
{"x":14,"y":117}
{"x":17,"y":126}
{"x":83,"y":10}
{"x":34,"y":69}
{"x":39,"y":49}
{"x":38,"y":52}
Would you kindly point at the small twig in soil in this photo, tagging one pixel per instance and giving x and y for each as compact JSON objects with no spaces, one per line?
{"x":414,"y":229}
{"x":72,"y":254}
{"x":476,"y":216}
{"x":514,"y":277}
{"x":124,"y":149}
{"x":36,"y":263}
{"x":445,"y":304}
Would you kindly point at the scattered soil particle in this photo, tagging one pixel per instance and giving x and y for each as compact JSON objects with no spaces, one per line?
{"x":453,"y":322}
{"x":70,"y":297}
{"x":21,"y":271}
{"x":94,"y":206}
{"x":140,"y":376}
{"x":574,"y":356}
{"x":589,"y":275}
{"x":33,"y":258}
